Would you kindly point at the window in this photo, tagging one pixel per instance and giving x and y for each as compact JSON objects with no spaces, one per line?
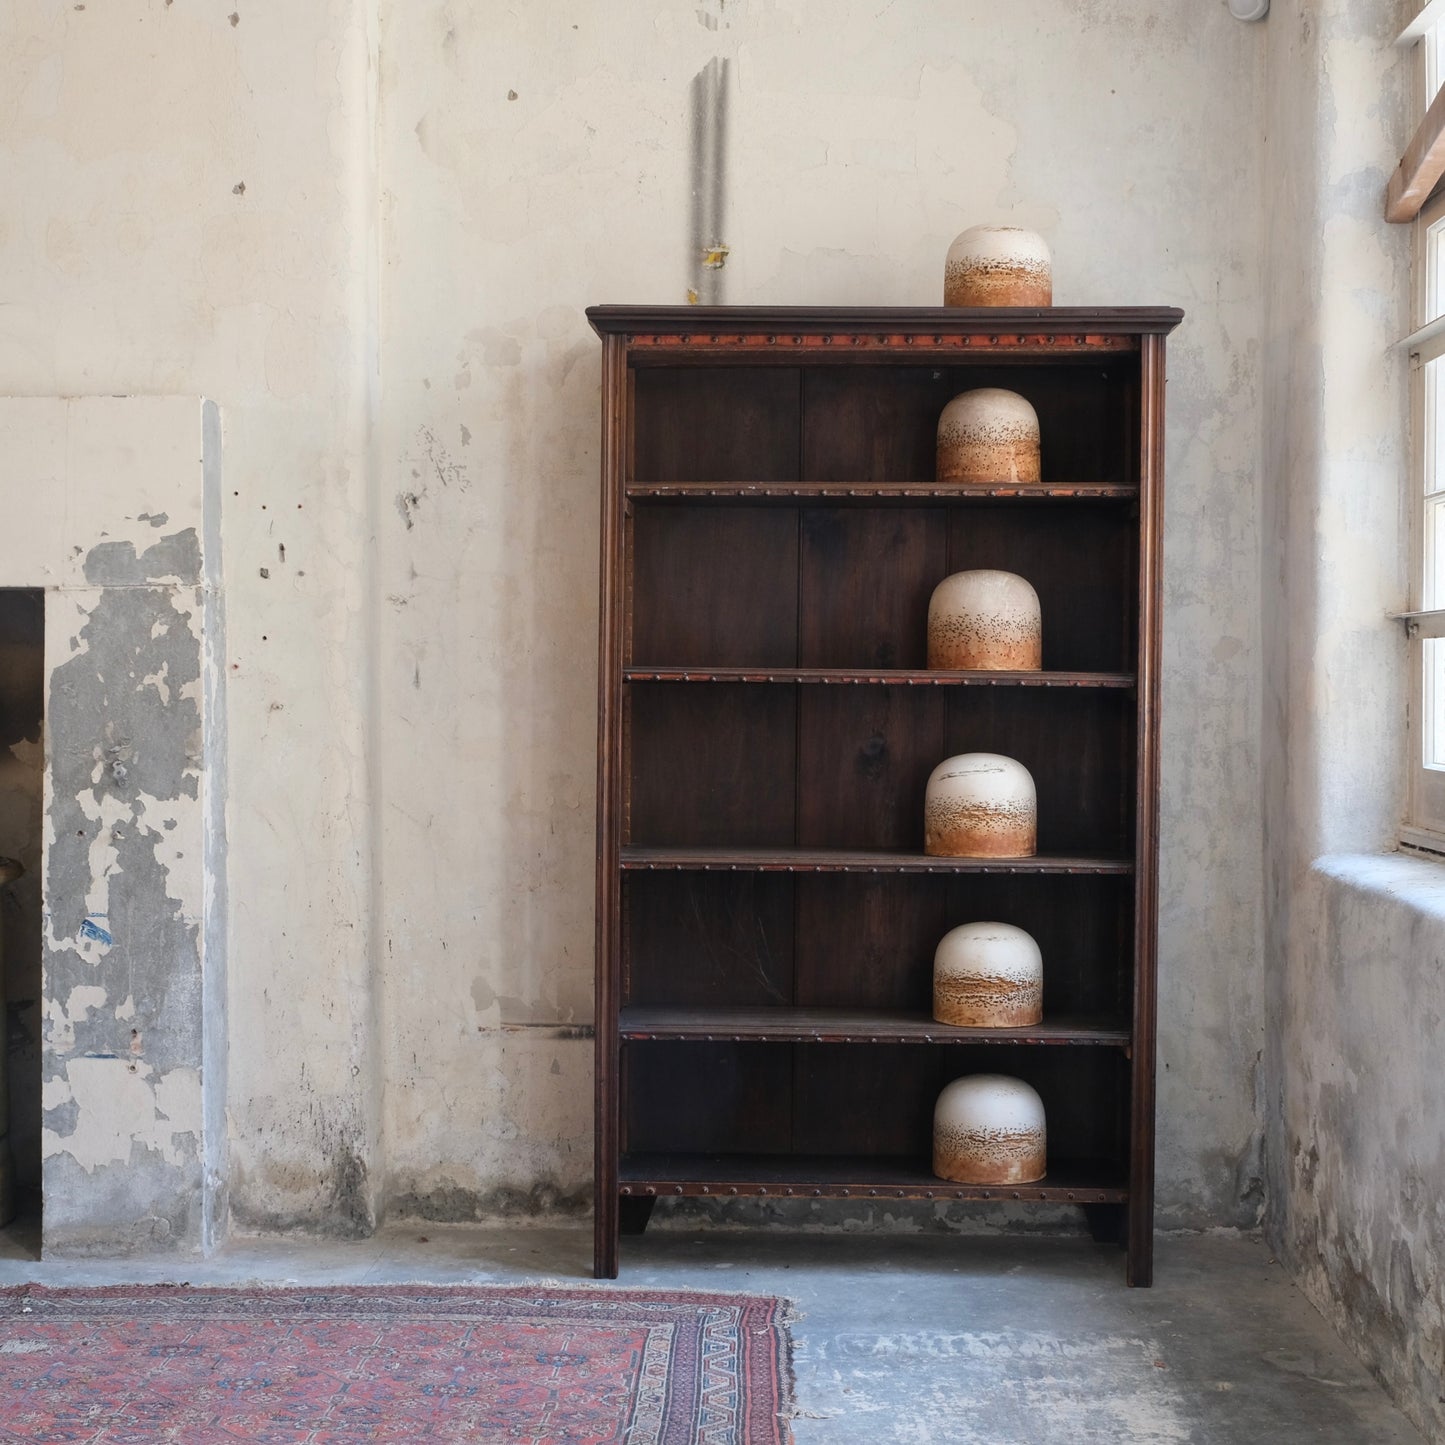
{"x":1425,"y":806}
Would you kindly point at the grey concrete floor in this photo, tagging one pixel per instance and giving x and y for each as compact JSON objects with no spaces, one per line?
{"x":959,"y":1341}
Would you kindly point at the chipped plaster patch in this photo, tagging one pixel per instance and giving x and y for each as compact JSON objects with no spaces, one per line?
{"x":119,"y":1105}
{"x":125,"y":893}
{"x":61,"y":1018}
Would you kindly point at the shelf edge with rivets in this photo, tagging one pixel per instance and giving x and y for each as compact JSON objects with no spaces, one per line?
{"x":832,"y":493}
{"x":860,"y":1177}
{"x":634,"y":859}
{"x":878,"y":677}
{"x":655,"y":1024}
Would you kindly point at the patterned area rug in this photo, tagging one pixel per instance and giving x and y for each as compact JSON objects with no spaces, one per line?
{"x":126,"y":1365}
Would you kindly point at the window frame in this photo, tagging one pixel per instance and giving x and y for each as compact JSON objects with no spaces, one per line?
{"x":1423,"y":826}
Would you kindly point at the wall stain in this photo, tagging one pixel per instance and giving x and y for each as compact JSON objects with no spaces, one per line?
{"x":451,"y":1203}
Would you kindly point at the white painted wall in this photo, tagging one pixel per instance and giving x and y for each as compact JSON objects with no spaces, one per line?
{"x":390,"y":316}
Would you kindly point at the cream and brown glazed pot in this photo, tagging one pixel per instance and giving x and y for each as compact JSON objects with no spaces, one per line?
{"x":988,"y":435}
{"x":988,"y":976}
{"x":989,"y":1129}
{"x":980,"y":805}
{"x":998,"y":266}
{"x":985,"y":620}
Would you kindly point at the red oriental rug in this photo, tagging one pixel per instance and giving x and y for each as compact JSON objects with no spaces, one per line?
{"x":131,"y":1365}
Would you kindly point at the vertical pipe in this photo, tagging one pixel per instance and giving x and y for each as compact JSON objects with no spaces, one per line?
{"x":708,"y":141}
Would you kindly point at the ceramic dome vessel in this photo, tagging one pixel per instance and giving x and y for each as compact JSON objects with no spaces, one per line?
{"x":980,"y":805}
{"x":985,"y":620}
{"x":989,"y":1129}
{"x":988,"y":435}
{"x":998,"y":266}
{"x":988,"y":976}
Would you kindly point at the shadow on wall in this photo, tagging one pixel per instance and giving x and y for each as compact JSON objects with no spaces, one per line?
{"x":22,"y":753}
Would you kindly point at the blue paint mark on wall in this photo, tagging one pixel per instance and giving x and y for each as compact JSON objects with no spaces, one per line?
{"x":95,"y":931}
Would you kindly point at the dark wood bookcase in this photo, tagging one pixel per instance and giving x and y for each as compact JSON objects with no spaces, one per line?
{"x":766,"y":919}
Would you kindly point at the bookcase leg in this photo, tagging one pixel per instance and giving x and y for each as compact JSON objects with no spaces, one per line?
{"x":1106,"y":1222}
{"x":604,"y":1236}
{"x":635,"y":1211}
{"x":1139,"y":1271}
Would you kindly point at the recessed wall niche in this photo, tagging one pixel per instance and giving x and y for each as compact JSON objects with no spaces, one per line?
{"x":22,"y":762}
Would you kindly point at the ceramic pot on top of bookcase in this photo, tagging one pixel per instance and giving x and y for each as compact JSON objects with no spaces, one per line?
{"x":989,"y":1129}
{"x":988,"y":435}
{"x":988,"y":976}
{"x":985,"y":620}
{"x":998,"y":266}
{"x":980,"y":805}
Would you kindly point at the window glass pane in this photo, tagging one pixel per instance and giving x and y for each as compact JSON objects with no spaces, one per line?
{"x":1434,"y":43}
{"x":1433,"y":435}
{"x":1434,"y":590}
{"x":1434,"y":271}
{"x":1433,"y":733}
{"x":1432,"y":593}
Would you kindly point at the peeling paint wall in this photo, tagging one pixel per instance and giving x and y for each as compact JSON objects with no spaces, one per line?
{"x":122,"y":874}
{"x":122,"y":1071}
{"x":1355,"y":1104}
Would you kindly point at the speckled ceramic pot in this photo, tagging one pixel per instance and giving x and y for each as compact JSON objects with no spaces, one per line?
{"x":985,"y":619}
{"x":998,"y":266}
{"x":988,"y":435}
{"x":989,"y":1129}
{"x":980,"y":805}
{"x":988,"y":976}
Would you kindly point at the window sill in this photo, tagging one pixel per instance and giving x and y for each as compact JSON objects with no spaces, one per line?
{"x":1413,"y":880}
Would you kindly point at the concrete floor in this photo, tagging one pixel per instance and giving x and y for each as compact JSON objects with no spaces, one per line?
{"x":969,"y":1341}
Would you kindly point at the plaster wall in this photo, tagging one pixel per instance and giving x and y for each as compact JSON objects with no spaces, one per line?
{"x":369,"y":231}
{"x":198,"y":219}
{"x":534,"y":162}
{"x":1355,"y":1108}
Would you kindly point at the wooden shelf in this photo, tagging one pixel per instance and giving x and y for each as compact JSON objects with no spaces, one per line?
{"x":771,"y":525}
{"x":849,"y":1026}
{"x":839,"y":860}
{"x":835,"y":493}
{"x":830,"y":1176}
{"x":878,"y":677}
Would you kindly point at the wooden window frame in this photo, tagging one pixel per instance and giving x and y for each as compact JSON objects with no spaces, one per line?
{"x":1424,"y":823}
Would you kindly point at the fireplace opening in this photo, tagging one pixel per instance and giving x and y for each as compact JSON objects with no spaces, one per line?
{"x":22,"y":772}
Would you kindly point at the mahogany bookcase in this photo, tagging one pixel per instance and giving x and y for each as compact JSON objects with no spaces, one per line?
{"x":766,"y":919}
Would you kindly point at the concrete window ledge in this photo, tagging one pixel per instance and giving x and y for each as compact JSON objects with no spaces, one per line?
{"x":1359,"y":1138}
{"x":1403,"y":879}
